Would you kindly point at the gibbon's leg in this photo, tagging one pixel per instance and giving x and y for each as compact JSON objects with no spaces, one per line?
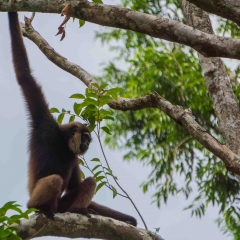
{"x":45,"y":195}
{"x":78,"y":199}
{"x":108,"y":212}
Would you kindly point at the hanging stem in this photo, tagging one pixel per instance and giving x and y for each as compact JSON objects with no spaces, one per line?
{"x":99,"y":140}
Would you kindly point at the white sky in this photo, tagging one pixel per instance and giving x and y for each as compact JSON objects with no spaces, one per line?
{"x":79,"y":47}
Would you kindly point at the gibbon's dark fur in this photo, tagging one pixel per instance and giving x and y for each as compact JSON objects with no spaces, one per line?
{"x":53,"y":165}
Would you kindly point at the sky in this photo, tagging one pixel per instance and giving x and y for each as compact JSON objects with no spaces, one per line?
{"x":80,"y":47}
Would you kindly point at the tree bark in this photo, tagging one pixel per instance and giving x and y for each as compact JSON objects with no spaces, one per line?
{"x":78,"y":226}
{"x":217,"y":82}
{"x":229,"y":9}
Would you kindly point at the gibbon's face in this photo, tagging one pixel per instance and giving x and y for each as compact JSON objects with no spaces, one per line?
{"x":85,"y":141}
{"x":79,"y":137}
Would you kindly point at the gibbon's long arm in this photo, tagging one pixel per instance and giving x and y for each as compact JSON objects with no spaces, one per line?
{"x":33,"y":94}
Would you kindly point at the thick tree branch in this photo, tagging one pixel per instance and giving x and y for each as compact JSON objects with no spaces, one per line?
{"x":231,"y":160}
{"x":185,"y":119}
{"x":217,"y":82}
{"x":113,"y":16}
{"x":229,"y":9}
{"x":78,"y":226}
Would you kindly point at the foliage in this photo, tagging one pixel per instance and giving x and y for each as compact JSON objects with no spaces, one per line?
{"x":7,"y":231}
{"x":178,"y":161}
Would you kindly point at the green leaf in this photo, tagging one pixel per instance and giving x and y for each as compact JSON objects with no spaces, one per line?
{"x":108,"y":118}
{"x":30,"y":210}
{"x":14,"y":237}
{"x":114,"y":191}
{"x":92,"y":94}
{"x":95,"y":160}
{"x":9,"y":204}
{"x":102,"y":86}
{"x":5,"y":233}
{"x":114,"y":90}
{"x":77,"y":108}
{"x":105,"y":112}
{"x":109,"y":170}
{"x":77,"y":96}
{"x":97,"y":1}
{"x":54,"y":110}
{"x":60,"y":118}
{"x":104,"y":100}
{"x":81,"y":162}
{"x":96,"y":167}
{"x":83,"y":175}
{"x":105,"y":129}
{"x":100,"y":185}
{"x":81,"y":23}
{"x":71,"y":119}
{"x":95,"y":85}
{"x":91,"y":127}
{"x":14,"y":218}
{"x":99,"y":178}
{"x":96,"y":174}
{"x":3,"y":218}
{"x":90,"y":101}
{"x":91,"y":108}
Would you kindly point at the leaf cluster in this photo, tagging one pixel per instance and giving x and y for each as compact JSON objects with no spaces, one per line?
{"x":91,"y":109}
{"x":7,"y":231}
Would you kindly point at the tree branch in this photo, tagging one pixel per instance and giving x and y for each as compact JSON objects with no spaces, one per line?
{"x":231,"y":160}
{"x":114,"y":16}
{"x":55,"y":57}
{"x":185,"y":119}
{"x":229,"y":9}
{"x":217,"y":82}
{"x":78,"y":226}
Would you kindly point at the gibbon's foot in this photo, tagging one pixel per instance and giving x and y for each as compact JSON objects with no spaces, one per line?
{"x":83,"y":211}
{"x":91,"y":211}
{"x":131,"y":223}
{"x":47,"y":212}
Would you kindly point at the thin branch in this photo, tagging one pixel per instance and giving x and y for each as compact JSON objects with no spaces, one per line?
{"x":56,"y":58}
{"x":100,"y":142}
{"x":107,"y":185}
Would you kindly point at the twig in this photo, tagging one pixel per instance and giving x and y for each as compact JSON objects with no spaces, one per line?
{"x":99,"y":140}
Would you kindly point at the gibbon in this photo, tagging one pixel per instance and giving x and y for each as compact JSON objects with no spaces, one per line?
{"x":54,"y":176}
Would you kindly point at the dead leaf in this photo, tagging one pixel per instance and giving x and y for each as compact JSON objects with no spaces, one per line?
{"x":60,"y":30}
{"x":63,"y":35}
{"x":65,"y":20}
{"x":66,"y":11}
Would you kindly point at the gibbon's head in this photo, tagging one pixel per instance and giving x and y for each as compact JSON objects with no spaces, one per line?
{"x":78,"y":137}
